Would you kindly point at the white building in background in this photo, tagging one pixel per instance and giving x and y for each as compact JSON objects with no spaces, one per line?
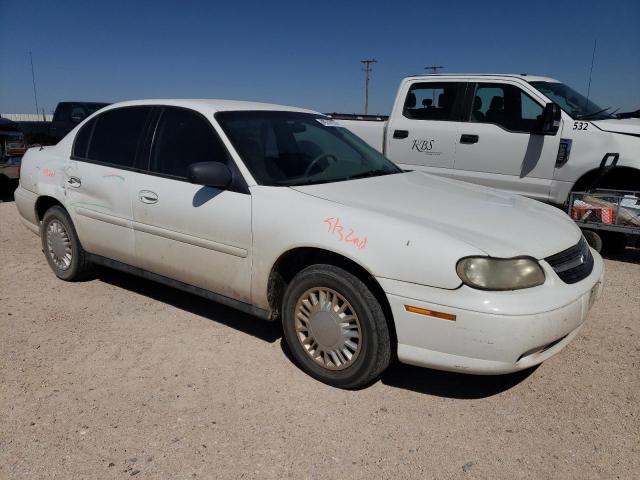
{"x":27,"y":117}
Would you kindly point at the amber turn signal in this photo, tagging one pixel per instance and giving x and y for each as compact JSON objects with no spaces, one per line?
{"x":430,"y":313}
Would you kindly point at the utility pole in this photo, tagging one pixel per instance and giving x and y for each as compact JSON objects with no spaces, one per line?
{"x":33,"y":78}
{"x":433,"y":68}
{"x":367,"y":71}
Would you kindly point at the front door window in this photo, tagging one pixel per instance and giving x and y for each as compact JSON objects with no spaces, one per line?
{"x":506,"y":106}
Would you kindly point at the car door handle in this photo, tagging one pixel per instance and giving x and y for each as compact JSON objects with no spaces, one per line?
{"x":400,"y":133}
{"x":74,"y":182}
{"x":466,"y":138}
{"x":147,"y":196}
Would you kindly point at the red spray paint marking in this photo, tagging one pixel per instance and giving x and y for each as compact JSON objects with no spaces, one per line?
{"x":336,"y":227}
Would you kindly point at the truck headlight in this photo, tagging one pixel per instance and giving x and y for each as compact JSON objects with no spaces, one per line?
{"x":488,"y":273}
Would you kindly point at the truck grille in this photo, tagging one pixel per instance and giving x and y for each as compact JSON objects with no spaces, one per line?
{"x":573,"y":264}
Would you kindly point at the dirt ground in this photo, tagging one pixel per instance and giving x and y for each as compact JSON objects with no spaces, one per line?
{"x":118,"y":377}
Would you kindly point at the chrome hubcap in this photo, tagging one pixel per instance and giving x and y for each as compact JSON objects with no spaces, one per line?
{"x":58,"y":245}
{"x":328,"y":328}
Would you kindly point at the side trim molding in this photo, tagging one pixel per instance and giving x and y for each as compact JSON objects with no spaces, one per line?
{"x":103,"y":217}
{"x":190,"y":239}
{"x":216,"y":297}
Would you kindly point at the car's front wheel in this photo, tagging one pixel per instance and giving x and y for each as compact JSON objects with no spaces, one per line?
{"x":61,"y":246}
{"x":335,"y":327}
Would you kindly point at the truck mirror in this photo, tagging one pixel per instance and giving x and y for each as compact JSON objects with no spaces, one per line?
{"x":549,"y":121}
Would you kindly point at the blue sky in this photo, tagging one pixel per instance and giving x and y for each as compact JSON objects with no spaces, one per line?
{"x":305,"y":53}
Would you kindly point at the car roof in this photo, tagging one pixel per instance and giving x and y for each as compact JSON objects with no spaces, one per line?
{"x":211,"y":105}
{"x":523,"y":76}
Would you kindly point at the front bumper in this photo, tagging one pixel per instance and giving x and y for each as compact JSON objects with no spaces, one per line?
{"x":493,"y":332}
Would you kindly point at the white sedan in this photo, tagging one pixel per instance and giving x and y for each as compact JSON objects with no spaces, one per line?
{"x":282,"y":213}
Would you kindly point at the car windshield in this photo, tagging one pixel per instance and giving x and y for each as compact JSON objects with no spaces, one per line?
{"x":571,"y":101}
{"x":291,"y":148}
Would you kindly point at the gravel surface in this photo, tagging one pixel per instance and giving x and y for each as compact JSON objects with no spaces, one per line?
{"x":118,"y":377}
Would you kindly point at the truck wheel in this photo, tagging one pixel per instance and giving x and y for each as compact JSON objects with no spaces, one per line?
{"x":335,"y":327}
{"x":593,"y":239}
{"x":61,"y":246}
{"x":613,"y":242}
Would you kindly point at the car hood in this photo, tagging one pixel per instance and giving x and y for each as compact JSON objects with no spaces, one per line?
{"x":624,"y":125}
{"x":498,"y":223}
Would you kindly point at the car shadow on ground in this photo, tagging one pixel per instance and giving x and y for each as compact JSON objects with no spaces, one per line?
{"x":398,"y":375}
{"x":254,"y":326}
{"x":449,"y":384}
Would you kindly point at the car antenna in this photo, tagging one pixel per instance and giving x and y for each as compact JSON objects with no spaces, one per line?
{"x":593,"y":56}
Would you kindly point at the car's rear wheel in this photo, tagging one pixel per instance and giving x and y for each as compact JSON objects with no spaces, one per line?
{"x":335,"y":327}
{"x":61,"y":246}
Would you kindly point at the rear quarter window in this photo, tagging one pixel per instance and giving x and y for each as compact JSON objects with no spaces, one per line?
{"x":81,"y":142}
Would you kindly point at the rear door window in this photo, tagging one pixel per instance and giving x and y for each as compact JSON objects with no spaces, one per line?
{"x":435,"y":101}
{"x":117,"y":136}
{"x":184,"y":137}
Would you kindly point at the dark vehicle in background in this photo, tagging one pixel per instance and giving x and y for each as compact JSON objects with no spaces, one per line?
{"x":12,"y":147}
{"x":69,"y":114}
{"x":635,"y":114}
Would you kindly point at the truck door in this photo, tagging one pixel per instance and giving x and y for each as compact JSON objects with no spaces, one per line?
{"x":424,"y":128}
{"x":497,"y":148}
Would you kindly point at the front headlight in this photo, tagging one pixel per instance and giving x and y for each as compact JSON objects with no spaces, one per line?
{"x":488,"y":273}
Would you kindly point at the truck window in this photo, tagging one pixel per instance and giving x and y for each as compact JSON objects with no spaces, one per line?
{"x":571,"y":101}
{"x":505,"y":105}
{"x":116,"y":135}
{"x":184,"y":137}
{"x":62,"y":113}
{"x":434,"y":101}
{"x":78,"y":113}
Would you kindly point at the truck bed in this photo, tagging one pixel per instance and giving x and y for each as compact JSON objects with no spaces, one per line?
{"x":370,"y":128}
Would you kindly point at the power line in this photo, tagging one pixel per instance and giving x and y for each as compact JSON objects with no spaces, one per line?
{"x":33,"y":78}
{"x":367,"y":72}
{"x":434,"y":68}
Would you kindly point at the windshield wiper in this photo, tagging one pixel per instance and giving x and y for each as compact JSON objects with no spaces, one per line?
{"x":593,"y":114}
{"x":309,"y":181}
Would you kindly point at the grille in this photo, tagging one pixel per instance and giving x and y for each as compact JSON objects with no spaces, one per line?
{"x":574,"y":263}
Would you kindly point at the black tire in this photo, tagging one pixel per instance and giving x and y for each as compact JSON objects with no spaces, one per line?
{"x":613,"y":242}
{"x":374,"y":343}
{"x":80,"y":266}
{"x":593,"y":239}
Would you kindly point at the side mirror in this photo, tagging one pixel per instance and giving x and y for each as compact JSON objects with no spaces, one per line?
{"x":549,"y":121}
{"x":211,"y":174}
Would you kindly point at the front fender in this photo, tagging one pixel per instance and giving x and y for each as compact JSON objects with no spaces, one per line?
{"x":384,"y":246}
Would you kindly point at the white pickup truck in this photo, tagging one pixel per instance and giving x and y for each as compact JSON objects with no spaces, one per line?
{"x":506,"y":132}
